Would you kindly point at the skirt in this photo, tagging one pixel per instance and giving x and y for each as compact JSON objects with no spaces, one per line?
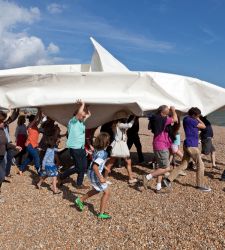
{"x":49,"y":171}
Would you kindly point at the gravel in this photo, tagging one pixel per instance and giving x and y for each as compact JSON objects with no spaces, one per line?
{"x":183,"y":219}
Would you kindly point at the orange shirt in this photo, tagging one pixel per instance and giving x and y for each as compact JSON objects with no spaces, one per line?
{"x":33,"y":136}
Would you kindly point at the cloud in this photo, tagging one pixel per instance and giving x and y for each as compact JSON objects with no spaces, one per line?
{"x":55,"y":8}
{"x":19,"y":48}
{"x":53,"y":49}
{"x":211,"y":36}
{"x":88,"y":25}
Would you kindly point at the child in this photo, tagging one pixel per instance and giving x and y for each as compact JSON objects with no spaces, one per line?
{"x":176,"y":144}
{"x":49,"y":168}
{"x":21,"y":137}
{"x":206,"y":136}
{"x":95,"y":175}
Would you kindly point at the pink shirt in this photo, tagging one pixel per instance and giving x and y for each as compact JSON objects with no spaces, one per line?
{"x":162,"y":141}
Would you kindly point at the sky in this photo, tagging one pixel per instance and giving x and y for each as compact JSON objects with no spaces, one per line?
{"x":175,"y":36}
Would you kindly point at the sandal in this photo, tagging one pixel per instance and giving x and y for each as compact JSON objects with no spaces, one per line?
{"x":57,"y":192}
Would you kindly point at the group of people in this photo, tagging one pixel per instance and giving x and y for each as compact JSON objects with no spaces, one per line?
{"x":97,"y":156}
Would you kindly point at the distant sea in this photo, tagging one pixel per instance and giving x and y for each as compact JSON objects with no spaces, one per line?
{"x":217,"y":118}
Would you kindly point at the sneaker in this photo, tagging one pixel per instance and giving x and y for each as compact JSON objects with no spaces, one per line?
{"x":192,"y":166}
{"x":104,"y":216}
{"x":182,"y":173}
{"x":109,"y":182}
{"x":145,"y":181}
{"x":216,"y":167}
{"x":79,"y":204}
{"x":162,"y":191}
{"x":166,"y":183}
{"x":204,"y":189}
{"x":132,"y":181}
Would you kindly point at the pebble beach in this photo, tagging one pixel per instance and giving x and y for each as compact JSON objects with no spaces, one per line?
{"x":182,"y":219}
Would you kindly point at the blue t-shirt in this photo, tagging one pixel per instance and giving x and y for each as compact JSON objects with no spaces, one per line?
{"x":191,"y":131}
{"x":76,"y":134}
{"x":99,"y":157}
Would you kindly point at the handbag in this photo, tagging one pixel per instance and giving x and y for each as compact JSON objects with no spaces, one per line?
{"x":120,"y":148}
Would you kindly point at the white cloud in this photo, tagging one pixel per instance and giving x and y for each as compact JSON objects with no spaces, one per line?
{"x":21,"y":49}
{"x":55,"y":8}
{"x":211,"y":37}
{"x":53,"y":49}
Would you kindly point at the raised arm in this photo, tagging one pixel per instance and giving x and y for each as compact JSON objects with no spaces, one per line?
{"x":201,"y":124}
{"x":174,"y":114}
{"x":88,"y":114}
{"x":81,"y":108}
{"x":13,"y":116}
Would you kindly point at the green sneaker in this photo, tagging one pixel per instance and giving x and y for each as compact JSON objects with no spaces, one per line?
{"x":79,"y":204}
{"x":104,"y":216}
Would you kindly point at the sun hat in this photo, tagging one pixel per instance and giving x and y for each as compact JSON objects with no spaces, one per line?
{"x":121,"y":114}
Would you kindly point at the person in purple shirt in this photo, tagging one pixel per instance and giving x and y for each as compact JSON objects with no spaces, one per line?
{"x":192,"y":124}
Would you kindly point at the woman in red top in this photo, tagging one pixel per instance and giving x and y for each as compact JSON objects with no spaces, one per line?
{"x":32,"y":143}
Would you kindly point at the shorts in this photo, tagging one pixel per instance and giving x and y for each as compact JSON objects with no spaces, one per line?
{"x":207,"y":146}
{"x":96,"y":184}
{"x":162,"y":158}
{"x":174,"y":148}
{"x":49,"y":171}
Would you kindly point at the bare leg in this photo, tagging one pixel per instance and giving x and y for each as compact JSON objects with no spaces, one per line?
{"x":54,"y":184}
{"x":179,"y":154}
{"x":129,"y":169}
{"x":213,"y":158}
{"x":104,"y":201}
{"x":40,"y":182}
{"x":88,"y":195}
{"x":171,"y":158}
{"x":109,"y":165}
{"x":160,"y":171}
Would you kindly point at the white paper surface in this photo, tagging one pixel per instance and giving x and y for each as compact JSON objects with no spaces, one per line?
{"x":55,"y":88}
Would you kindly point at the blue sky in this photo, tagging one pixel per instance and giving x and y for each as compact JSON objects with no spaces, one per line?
{"x":175,"y":36}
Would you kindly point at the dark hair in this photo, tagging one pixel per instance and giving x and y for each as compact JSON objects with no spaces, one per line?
{"x":31,"y":118}
{"x":122,"y":120}
{"x":3,"y":116}
{"x":102,"y":141}
{"x":51,"y":142}
{"x":21,"y":120}
{"x":160,"y":109}
{"x":194,"y":111}
{"x":176,"y":126}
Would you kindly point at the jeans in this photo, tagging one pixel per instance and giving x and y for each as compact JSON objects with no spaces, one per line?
{"x":2,"y":169}
{"x":33,"y":155}
{"x":9,"y":157}
{"x":80,"y":165}
{"x":135,"y":139}
{"x":19,"y":156}
{"x":195,"y":154}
